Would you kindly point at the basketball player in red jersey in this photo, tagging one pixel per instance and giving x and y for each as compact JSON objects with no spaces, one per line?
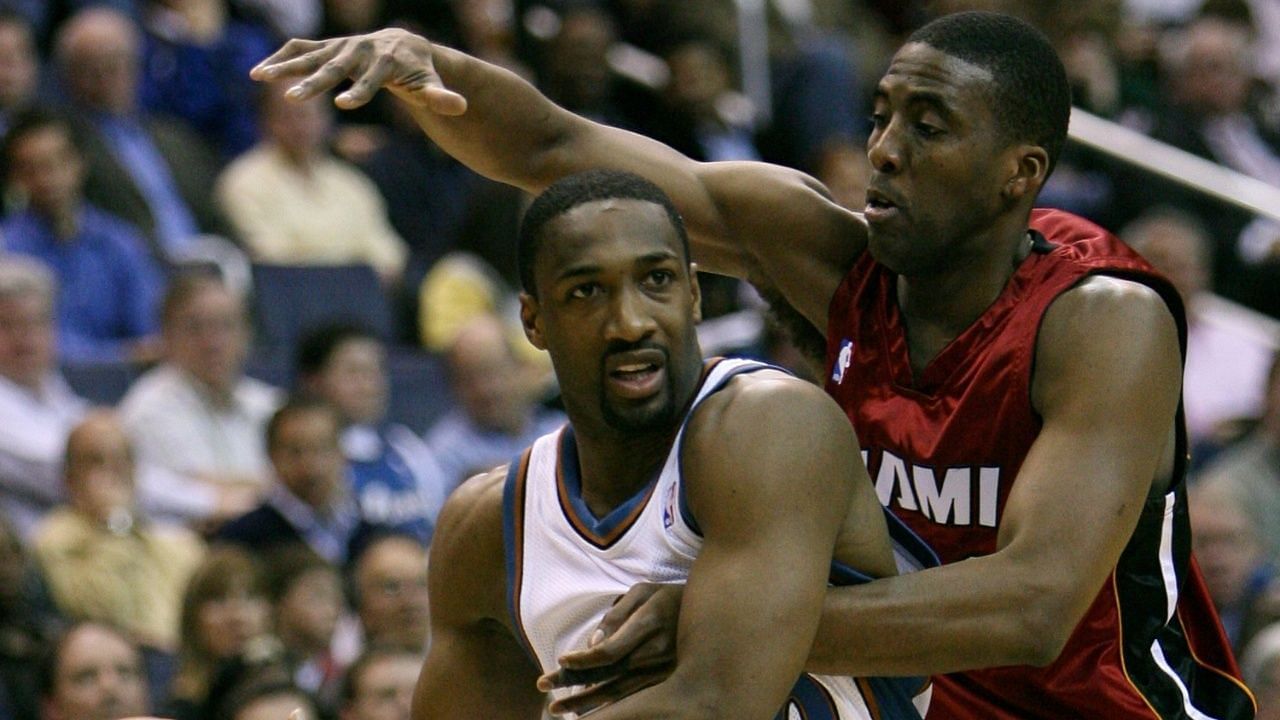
{"x":1013,"y":374}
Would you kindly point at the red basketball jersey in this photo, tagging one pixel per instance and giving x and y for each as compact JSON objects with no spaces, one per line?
{"x":945,"y":450}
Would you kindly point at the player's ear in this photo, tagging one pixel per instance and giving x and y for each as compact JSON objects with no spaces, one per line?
{"x":696,"y":291}
{"x":1030,"y":169}
{"x":529,"y":317}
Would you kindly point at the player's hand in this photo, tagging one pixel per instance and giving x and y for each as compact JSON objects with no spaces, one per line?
{"x":395,"y":59}
{"x":634,"y":647}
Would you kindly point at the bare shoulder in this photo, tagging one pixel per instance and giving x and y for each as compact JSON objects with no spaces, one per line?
{"x":1105,"y":332}
{"x":467,"y":556}
{"x":1101,"y":305}
{"x":764,"y":408}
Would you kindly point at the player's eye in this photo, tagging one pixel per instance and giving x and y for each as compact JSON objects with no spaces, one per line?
{"x":584,"y":291}
{"x":660,"y":278}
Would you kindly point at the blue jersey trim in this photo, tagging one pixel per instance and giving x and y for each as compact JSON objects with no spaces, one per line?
{"x":601,"y":532}
{"x":909,"y":543}
{"x":682,"y":499}
{"x":513,"y":500}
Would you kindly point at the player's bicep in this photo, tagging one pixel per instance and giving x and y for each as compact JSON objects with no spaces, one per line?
{"x":1107,"y":382}
{"x":770,"y":511}
{"x":475,"y":666}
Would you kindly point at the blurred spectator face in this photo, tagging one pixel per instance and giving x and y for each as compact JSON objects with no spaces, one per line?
{"x":49,"y":170}
{"x":1213,"y":77}
{"x":27,"y":348}
{"x":392,"y":581}
{"x":308,"y":611}
{"x":1224,"y":544}
{"x":699,"y":76}
{"x":487,"y":379}
{"x":299,"y":129}
{"x":98,"y":677}
{"x":353,"y":16}
{"x":99,"y":469}
{"x":355,"y":380}
{"x":307,"y":457}
{"x":226,"y":623}
{"x":99,"y":56}
{"x":485,"y":22}
{"x":19,"y":66}
{"x":1176,"y":249}
{"x":384,"y":689}
{"x":276,"y":706}
{"x":208,"y":336}
{"x":577,"y":59}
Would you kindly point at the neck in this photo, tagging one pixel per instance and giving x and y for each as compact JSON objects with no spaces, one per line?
{"x":615,"y":466}
{"x":949,"y":300}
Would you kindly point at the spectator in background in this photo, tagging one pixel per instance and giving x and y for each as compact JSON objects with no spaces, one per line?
{"x":28,"y":622}
{"x":197,"y":414}
{"x":196,"y":62}
{"x":153,"y":172}
{"x":1229,"y":347}
{"x":293,"y":203}
{"x":19,"y":67}
{"x":1236,"y":572}
{"x":707,"y":119}
{"x":575,"y":71}
{"x":37,"y":408}
{"x":428,"y":194}
{"x":396,"y":481}
{"x":93,"y":672}
{"x":1251,"y":469}
{"x":391,"y":595}
{"x":311,"y":501}
{"x":224,"y":609}
{"x":103,"y":559}
{"x":306,"y":596}
{"x":108,"y":285}
{"x":497,"y":414}
{"x":379,"y":685}
{"x":260,"y":691}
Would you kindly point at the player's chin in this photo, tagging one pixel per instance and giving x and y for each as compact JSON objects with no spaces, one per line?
{"x":640,"y":415}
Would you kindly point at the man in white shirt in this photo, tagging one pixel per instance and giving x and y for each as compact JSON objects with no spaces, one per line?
{"x":197,"y":414}
{"x":37,"y":408}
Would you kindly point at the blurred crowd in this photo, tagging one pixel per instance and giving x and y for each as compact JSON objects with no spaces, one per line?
{"x":248,"y":346}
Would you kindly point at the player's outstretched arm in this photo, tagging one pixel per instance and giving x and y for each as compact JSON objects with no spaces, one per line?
{"x":751,"y":220}
{"x":1108,"y":410}
{"x":475,"y":667}
{"x":769,"y":501}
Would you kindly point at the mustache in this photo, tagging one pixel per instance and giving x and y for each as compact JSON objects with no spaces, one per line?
{"x":621,"y":346}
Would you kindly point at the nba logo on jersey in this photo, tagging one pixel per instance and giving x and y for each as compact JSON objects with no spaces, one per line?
{"x":668,"y":507}
{"x":842,"y":361}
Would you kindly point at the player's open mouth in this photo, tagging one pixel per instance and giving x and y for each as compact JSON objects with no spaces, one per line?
{"x":635,"y":374}
{"x":879,"y":206}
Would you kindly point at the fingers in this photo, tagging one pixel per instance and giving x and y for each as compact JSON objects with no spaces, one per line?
{"x":329,"y":74}
{"x":602,"y":694}
{"x":367,"y":84}
{"x":278,"y":63}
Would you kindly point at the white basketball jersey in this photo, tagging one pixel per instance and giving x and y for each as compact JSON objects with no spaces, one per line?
{"x":565,"y":567}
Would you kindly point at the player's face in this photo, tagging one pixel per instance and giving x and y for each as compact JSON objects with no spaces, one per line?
{"x":938,"y":161}
{"x":616,"y":308}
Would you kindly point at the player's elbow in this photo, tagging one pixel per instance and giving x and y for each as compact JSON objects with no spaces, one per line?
{"x":1044,"y":625}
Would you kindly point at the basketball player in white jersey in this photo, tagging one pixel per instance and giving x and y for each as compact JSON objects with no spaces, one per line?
{"x":731,"y":476}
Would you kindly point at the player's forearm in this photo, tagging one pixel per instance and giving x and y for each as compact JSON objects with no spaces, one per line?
{"x":510,"y":131}
{"x":973,"y":614}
